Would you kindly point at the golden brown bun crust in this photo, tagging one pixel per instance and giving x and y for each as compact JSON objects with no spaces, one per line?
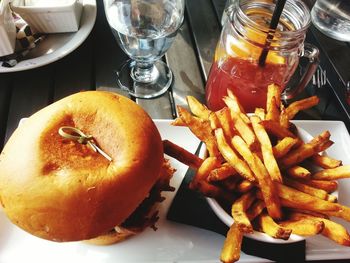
{"x":61,"y":190}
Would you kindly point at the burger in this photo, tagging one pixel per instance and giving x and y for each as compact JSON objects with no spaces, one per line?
{"x":100,"y":182}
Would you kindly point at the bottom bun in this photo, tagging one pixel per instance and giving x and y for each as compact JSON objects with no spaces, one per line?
{"x":116,"y":235}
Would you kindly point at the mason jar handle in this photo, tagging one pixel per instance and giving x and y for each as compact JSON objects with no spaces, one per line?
{"x":312,"y":54}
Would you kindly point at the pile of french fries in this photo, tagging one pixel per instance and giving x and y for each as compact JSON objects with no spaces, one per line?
{"x":274,"y":182}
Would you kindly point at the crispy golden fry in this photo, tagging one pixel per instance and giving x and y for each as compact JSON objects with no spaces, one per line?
{"x":295,"y":107}
{"x":207,"y":165}
{"x":236,"y":105}
{"x":332,"y":230}
{"x":264,"y":180}
{"x":304,"y":226}
{"x":270,"y":227}
{"x":214,"y":121}
{"x":266,"y":149}
{"x":273,"y":102}
{"x":296,"y":199}
{"x":224,"y":117}
{"x":319,"y":193}
{"x":284,"y":146}
{"x":260,"y":112}
{"x":244,"y":186}
{"x":231,"y":250}
{"x":244,"y":130}
{"x":328,"y":186}
{"x":178,"y":122}
{"x":200,"y":128}
{"x":221,"y":173}
{"x":231,"y":157}
{"x":333,"y":173}
{"x":181,"y":154}
{"x":296,"y":211}
{"x":325,"y":162}
{"x":238,"y":212}
{"x":305,"y":151}
{"x":276,"y":129}
{"x":199,"y":181}
{"x":299,"y":172}
{"x":198,"y":109}
{"x":268,"y":190}
{"x":255,"y":209}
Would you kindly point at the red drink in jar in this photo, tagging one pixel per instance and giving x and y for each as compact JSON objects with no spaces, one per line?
{"x":243,"y":38}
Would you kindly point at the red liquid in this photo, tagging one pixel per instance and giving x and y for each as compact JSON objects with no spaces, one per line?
{"x":247,"y":80}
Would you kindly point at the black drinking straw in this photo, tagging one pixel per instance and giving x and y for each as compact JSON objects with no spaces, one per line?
{"x":273,"y":25}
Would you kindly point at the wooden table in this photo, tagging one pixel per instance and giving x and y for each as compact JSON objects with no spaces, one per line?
{"x":92,"y":66}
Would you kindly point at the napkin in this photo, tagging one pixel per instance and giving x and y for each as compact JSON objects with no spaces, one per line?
{"x":26,"y":40}
{"x":191,"y":208}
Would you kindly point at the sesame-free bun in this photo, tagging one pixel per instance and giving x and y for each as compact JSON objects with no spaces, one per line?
{"x":61,"y":190}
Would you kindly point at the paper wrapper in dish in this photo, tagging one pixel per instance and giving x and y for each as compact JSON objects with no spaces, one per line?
{"x":48,"y":16}
{"x":7,"y":30}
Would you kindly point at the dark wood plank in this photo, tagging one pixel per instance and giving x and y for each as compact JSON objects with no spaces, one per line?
{"x":5,"y":95}
{"x":32,"y":90}
{"x":108,"y":55}
{"x":206,"y":31}
{"x":75,"y":72}
{"x":183,"y":61}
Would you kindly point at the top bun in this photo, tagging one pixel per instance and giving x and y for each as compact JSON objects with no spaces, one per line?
{"x":61,"y":190}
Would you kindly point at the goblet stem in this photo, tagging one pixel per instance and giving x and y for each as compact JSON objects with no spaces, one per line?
{"x":144,"y":72}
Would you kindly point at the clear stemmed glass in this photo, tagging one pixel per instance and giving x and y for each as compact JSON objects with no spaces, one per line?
{"x":144,"y":29}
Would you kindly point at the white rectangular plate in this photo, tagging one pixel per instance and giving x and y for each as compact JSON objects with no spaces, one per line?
{"x":172,"y":242}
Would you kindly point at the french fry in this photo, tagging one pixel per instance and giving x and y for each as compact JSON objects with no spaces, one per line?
{"x":199,"y":182}
{"x":295,"y":107}
{"x":244,"y":186}
{"x":214,"y":121}
{"x":331,"y":230}
{"x":201,"y":128}
{"x":244,"y":130}
{"x":238,"y":212}
{"x":225,"y":122}
{"x":325,"y":161}
{"x":178,"y":122}
{"x":198,"y":109}
{"x":235,"y":105}
{"x":260,"y":112}
{"x":283,"y":146}
{"x":231,"y":250}
{"x":255,"y":209}
{"x":328,"y":186}
{"x":304,"y":226}
{"x":264,"y":180}
{"x":305,"y":151}
{"x":203,"y":171}
{"x":319,"y":193}
{"x":276,"y":129}
{"x":221,"y":173}
{"x":273,"y":102}
{"x":270,"y":227}
{"x":266,"y":150}
{"x":333,"y":173}
{"x":296,"y":199}
{"x":231,"y":157}
{"x":298,"y":172}
{"x":181,"y":154}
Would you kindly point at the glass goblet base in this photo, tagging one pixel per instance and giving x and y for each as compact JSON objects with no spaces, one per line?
{"x":144,"y":83}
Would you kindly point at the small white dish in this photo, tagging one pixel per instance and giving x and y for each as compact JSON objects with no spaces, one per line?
{"x":57,"y":46}
{"x":228,"y":220}
{"x":7,"y":30}
{"x":48,"y":16}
